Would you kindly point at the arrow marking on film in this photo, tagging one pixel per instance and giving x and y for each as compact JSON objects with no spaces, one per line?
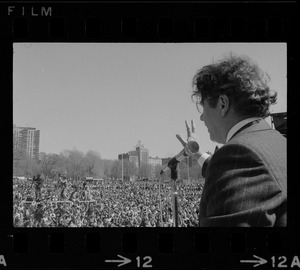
{"x":123,"y":261}
{"x":258,"y":262}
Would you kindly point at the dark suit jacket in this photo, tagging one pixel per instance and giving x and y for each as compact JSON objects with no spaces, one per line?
{"x":246,"y":180}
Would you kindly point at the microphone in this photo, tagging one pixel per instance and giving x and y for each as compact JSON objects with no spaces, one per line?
{"x":191,"y":147}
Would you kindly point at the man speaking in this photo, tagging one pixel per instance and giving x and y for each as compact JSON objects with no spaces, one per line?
{"x":246,"y":179}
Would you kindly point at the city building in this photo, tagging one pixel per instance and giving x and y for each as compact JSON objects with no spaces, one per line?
{"x":124,"y":156}
{"x":142,"y":153}
{"x":138,"y":157}
{"x":128,"y":173}
{"x":133,"y":158}
{"x":155,"y":161}
{"x":26,"y":140}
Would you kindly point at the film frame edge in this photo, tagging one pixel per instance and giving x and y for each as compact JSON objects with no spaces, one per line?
{"x":146,"y":247}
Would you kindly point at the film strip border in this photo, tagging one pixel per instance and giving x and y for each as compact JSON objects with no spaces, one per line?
{"x":146,"y":22}
{"x":151,"y":249}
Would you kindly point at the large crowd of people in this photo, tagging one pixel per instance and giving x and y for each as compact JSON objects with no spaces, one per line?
{"x":103,"y":204}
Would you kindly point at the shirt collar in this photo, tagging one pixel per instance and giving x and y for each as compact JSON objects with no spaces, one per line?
{"x":239,"y":125}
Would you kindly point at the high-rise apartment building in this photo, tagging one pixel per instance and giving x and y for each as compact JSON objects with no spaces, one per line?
{"x":26,"y":140}
{"x":143,"y":155}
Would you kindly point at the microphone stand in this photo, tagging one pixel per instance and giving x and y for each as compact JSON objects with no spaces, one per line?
{"x":174,"y":176}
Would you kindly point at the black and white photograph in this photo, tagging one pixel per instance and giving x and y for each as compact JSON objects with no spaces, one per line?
{"x":149,"y":135}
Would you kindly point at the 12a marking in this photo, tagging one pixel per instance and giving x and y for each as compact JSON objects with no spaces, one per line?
{"x":147,"y":260}
{"x":281,"y":262}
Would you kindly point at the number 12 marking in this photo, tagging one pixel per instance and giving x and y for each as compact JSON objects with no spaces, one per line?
{"x":147,"y":260}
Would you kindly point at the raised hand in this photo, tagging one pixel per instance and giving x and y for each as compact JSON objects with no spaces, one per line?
{"x":191,"y":134}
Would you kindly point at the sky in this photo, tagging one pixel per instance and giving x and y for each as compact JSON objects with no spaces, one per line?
{"x":106,"y":97}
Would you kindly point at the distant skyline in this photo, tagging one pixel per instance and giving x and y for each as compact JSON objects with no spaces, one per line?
{"x":106,"y":97}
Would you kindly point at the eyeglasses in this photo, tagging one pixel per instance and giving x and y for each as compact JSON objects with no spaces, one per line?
{"x":199,"y":107}
{"x":199,"y":104}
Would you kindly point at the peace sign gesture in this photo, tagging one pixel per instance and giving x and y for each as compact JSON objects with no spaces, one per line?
{"x":191,"y":134}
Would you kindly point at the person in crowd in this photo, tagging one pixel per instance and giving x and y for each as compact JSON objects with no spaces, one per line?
{"x":38,"y":214}
{"x":74,"y":195}
{"x":246,"y":178}
{"x":85,"y":192}
{"x":37,"y":181}
{"x":62,"y":185}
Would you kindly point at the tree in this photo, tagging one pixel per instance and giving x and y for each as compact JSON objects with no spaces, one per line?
{"x":157,"y":170}
{"x":16,"y":152}
{"x":145,"y":170}
{"x":18,"y":156}
{"x":48,"y":164}
{"x":184,"y":169}
{"x":106,"y":168}
{"x":92,"y":164}
{"x":129,"y":169}
{"x":27,"y":166}
{"x":165,"y":176}
{"x":116,"y":170}
{"x":196,"y":174}
{"x":73,"y":163}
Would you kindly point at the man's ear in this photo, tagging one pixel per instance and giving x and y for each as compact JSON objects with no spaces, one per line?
{"x":224,"y":104}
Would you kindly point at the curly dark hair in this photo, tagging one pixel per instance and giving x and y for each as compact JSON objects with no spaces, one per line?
{"x":241,"y":80}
